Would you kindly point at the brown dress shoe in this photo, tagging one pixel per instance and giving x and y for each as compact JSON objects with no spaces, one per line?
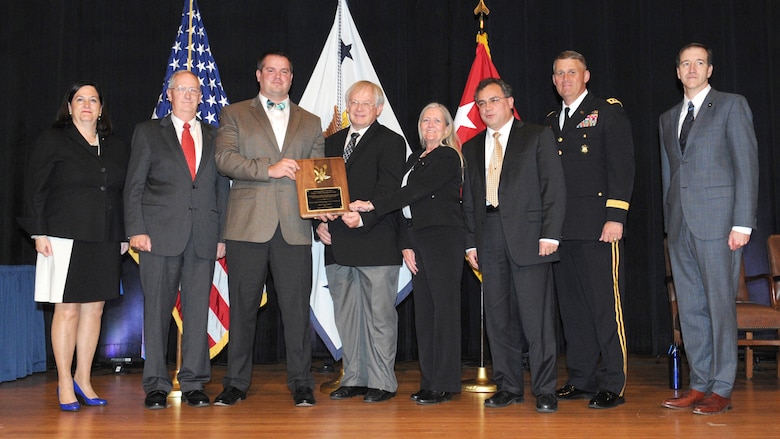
{"x":712,"y":405}
{"x":689,"y":398}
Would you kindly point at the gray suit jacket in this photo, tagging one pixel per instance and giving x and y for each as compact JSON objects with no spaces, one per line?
{"x":246,"y":146}
{"x":160,"y":198}
{"x":714,"y":185}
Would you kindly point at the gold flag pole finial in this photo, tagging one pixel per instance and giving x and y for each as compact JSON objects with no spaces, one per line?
{"x":482,"y":12}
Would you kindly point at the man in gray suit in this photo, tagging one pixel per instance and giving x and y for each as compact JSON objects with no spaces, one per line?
{"x":175,"y":204}
{"x":258,"y":143}
{"x":709,"y":167}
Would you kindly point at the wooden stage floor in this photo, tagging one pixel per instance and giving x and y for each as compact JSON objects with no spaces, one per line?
{"x":28,"y":408}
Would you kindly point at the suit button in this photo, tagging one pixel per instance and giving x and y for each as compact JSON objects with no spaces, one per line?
{"x":600,"y":194}
{"x":560,"y":152}
{"x":102,"y":188}
{"x":560,"y":139}
{"x":584,"y":135}
{"x":103,"y":170}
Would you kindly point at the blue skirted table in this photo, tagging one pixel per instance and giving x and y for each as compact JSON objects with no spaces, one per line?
{"x":22,"y":333}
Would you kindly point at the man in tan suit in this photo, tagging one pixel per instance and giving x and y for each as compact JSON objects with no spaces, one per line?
{"x":258,"y":143}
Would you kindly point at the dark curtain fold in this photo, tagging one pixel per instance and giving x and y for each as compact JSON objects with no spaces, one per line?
{"x":422,"y":51}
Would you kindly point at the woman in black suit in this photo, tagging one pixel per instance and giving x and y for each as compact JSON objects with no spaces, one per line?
{"x":432,"y":240}
{"x":73,"y":210}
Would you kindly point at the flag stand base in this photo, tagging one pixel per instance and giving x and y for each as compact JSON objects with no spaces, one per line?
{"x":480,"y":384}
{"x":330,"y":386}
{"x":176,"y":390}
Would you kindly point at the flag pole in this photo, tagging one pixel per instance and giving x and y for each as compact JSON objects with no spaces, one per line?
{"x":335,"y":125}
{"x":480,"y":384}
{"x":176,"y":390}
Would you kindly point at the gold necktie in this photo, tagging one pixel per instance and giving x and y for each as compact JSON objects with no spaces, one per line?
{"x":494,"y":171}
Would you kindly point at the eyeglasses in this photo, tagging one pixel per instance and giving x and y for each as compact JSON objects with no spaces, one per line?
{"x":492,"y":101}
{"x":180,"y":90}
{"x":356,"y":104}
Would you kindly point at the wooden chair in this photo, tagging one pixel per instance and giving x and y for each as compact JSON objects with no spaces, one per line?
{"x":751,"y":317}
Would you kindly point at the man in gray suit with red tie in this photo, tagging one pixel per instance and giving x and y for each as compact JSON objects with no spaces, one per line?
{"x":258,"y":143}
{"x":175,"y":203}
{"x":514,"y":202}
{"x":709,"y":169}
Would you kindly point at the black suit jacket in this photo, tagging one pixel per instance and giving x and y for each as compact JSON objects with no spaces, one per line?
{"x":70,"y":192}
{"x":531,"y":192}
{"x":597,"y":154}
{"x":432,"y":192}
{"x":162,"y":199}
{"x":374,"y":170}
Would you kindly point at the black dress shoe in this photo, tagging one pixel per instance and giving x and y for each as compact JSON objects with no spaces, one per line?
{"x":415,"y":396}
{"x":195,"y":398}
{"x":570,"y":392}
{"x":377,"y":395}
{"x":431,"y":397}
{"x":503,"y":399}
{"x":156,"y":399}
{"x":304,"y":397}
{"x":346,"y":392}
{"x":546,"y":403}
{"x":229,"y":396}
{"x":605,"y":400}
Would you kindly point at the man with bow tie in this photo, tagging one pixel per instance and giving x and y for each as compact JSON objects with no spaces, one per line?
{"x":258,"y":143}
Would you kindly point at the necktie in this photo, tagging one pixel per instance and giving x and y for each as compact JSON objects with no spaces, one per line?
{"x":494,"y":171}
{"x":686,"y":127}
{"x":269,"y":104}
{"x":350,"y":146}
{"x":188,"y":146}
{"x":565,"y":116}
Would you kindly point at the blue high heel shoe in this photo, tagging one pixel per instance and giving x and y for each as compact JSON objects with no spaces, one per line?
{"x":69,"y":407}
{"x":88,"y":401}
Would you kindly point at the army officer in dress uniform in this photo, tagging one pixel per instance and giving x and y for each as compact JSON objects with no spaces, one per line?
{"x":597,"y":154}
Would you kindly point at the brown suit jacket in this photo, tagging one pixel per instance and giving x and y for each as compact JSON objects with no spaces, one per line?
{"x":246,"y":147}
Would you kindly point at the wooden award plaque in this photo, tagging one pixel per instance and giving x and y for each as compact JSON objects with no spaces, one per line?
{"x":322,"y":186}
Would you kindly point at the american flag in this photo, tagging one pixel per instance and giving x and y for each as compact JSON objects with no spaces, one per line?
{"x":191,"y":51}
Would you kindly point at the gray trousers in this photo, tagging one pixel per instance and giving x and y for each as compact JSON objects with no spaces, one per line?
{"x":364,"y":305}
{"x":706,"y":277}
{"x":160,"y":278}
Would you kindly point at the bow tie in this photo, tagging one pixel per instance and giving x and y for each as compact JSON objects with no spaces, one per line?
{"x":270,"y":104}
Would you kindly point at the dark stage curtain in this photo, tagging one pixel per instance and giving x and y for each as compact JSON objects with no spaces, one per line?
{"x":422,"y":51}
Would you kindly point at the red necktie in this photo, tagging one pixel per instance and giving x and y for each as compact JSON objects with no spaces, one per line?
{"x":188,"y":146}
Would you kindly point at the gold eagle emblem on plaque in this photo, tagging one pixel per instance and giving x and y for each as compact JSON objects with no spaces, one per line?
{"x":320,"y":173}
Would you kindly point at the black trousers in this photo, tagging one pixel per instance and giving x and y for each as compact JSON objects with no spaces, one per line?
{"x":248,"y":265}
